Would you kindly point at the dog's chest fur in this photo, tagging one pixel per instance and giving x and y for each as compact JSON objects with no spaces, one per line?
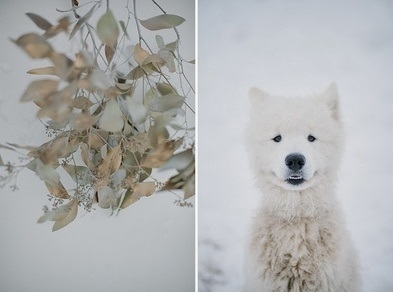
{"x":296,"y":256}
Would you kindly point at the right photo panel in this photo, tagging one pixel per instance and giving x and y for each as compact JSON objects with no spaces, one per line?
{"x":295,"y":117}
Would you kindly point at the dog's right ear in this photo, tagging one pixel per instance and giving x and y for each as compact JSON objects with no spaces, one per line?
{"x":257,"y":95}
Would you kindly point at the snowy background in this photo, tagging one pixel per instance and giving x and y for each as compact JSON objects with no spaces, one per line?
{"x":294,"y":48}
{"x":149,"y":247}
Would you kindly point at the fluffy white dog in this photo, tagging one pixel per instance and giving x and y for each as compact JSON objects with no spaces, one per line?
{"x":298,"y":240}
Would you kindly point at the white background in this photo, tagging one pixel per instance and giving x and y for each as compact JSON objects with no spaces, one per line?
{"x":148,"y":247}
{"x":294,"y":48}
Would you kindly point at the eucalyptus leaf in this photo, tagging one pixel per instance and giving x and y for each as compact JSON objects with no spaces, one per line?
{"x":140,"y":54}
{"x":59,"y":213}
{"x":82,"y":21}
{"x":80,"y":174}
{"x":160,"y":155}
{"x":58,"y":191}
{"x":140,"y":190}
{"x":39,"y":21}
{"x":47,"y":173}
{"x":107,"y":29}
{"x":82,"y":102}
{"x":81,"y":121}
{"x":106,"y":197}
{"x":73,"y":211}
{"x":166,"y":102}
{"x":179,"y":161}
{"x":165,"y":88}
{"x":160,"y":42}
{"x":43,"y":71}
{"x":39,"y":89}
{"x":34,"y":45}
{"x":112,"y":119}
{"x":111,"y":163}
{"x":118,"y":176}
{"x":162,"y":22}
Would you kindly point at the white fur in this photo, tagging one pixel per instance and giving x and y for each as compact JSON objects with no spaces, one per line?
{"x":298,"y":240}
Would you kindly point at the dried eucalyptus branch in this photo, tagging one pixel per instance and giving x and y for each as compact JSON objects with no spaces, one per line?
{"x":109,"y":129}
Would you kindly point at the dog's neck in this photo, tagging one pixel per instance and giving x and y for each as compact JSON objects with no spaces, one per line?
{"x":294,"y":206}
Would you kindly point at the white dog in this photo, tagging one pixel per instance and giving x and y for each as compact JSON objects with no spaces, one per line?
{"x":298,"y":241}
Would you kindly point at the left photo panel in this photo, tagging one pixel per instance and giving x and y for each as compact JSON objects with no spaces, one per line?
{"x":97,"y":145}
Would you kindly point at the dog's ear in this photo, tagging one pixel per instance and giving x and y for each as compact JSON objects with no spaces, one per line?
{"x":257,"y":95}
{"x":332,"y":100}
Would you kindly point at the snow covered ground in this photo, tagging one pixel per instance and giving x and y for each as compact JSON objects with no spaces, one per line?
{"x":294,"y":48}
{"x":149,"y":247}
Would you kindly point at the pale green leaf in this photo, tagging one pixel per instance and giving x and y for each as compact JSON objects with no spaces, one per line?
{"x":166,"y":102}
{"x":160,"y":42}
{"x":107,"y":29}
{"x":81,"y":21}
{"x":112,"y":119}
{"x":169,"y":60}
{"x":58,"y":213}
{"x":104,"y":151}
{"x":106,"y":197}
{"x":118,"y":176}
{"x":47,"y":173}
{"x":162,"y":21}
{"x":179,"y":161}
{"x":80,"y":174}
{"x":73,"y":211}
{"x":165,"y":88}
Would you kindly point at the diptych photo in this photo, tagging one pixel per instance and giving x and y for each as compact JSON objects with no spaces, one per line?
{"x":196,"y":146}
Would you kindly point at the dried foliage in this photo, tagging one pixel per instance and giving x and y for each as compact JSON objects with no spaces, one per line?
{"x":112,"y":115}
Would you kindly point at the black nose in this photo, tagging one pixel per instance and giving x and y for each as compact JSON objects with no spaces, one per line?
{"x":295,"y":161}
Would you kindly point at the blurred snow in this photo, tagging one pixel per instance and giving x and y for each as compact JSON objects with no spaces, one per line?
{"x":294,"y":48}
{"x":149,"y":247}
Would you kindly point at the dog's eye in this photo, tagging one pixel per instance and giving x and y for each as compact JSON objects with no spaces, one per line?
{"x":311,"y":138}
{"x":277,"y":138}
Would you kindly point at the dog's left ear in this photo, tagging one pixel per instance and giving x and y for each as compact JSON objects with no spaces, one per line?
{"x":257,"y":96}
{"x":331,"y":98}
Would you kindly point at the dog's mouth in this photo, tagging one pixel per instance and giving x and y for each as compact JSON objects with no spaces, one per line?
{"x":295,"y":179}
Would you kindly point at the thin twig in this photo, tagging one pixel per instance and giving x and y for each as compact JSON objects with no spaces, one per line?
{"x":74,"y":9}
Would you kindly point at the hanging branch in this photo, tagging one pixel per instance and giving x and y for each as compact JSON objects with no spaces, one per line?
{"x":107,"y":138}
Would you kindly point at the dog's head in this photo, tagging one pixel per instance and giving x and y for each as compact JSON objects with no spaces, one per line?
{"x":294,"y":142}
